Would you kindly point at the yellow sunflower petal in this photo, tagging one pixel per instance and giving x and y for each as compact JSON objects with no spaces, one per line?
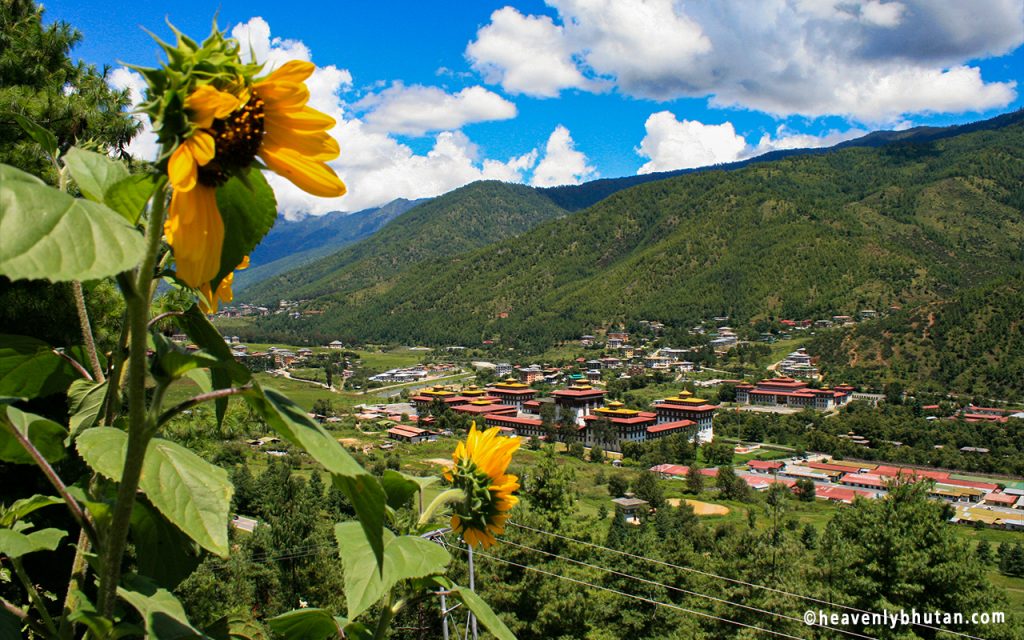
{"x":207,"y":103}
{"x":195,"y":231}
{"x":282,"y":96}
{"x":305,"y":119}
{"x":311,"y":176}
{"x":291,"y":71}
{"x":316,"y":145}
{"x":201,"y":144}
{"x":181,"y":168}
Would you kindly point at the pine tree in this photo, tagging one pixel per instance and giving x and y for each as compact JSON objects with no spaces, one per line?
{"x":983,"y":552}
{"x":694,"y":480}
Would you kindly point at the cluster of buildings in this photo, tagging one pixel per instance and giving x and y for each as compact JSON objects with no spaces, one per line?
{"x":790,"y":392}
{"x":798,"y":365}
{"x":515,"y":408}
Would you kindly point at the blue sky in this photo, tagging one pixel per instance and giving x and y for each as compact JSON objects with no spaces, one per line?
{"x":432,"y":95}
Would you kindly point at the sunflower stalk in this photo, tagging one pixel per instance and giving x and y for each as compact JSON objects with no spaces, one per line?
{"x":141,"y":422}
{"x":451,"y":496}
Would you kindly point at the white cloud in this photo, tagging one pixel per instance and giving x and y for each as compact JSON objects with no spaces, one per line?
{"x":562,"y":163}
{"x":868,"y":60}
{"x":525,"y":54}
{"x":417,"y":109}
{"x":671,"y":144}
{"x":144,"y":145}
{"x":375,"y":167}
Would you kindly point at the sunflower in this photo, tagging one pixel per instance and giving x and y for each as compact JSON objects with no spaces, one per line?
{"x":229,"y":129}
{"x":479,"y":470}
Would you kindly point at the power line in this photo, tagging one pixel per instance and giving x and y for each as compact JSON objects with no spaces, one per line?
{"x":630,"y":595}
{"x":732,"y":580}
{"x":681,"y":590}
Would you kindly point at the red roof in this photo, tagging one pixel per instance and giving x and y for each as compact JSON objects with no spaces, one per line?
{"x":987,"y":486}
{"x":840,"y":494}
{"x":500,"y":417}
{"x":512,"y":392}
{"x":895,"y":472}
{"x":671,"y":469}
{"x":866,"y":479}
{"x":1001,"y":498}
{"x":788,"y":394}
{"x":671,"y":426}
{"x":672,"y":406}
{"x":640,"y":418}
{"x":577,"y":393}
{"x":483,"y":409}
{"x":768,"y":465}
{"x":754,"y":479}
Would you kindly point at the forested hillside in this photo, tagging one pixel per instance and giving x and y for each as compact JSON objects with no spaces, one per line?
{"x":291,"y":244}
{"x":465,"y":219}
{"x":807,"y":236}
{"x":972,"y":343}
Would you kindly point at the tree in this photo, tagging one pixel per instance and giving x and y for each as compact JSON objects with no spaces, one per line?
{"x":806,"y":489}
{"x":718,"y":453}
{"x":597,"y":455}
{"x":694,"y":480}
{"x":576,"y":449}
{"x":648,"y":488}
{"x":617,"y":485}
{"x":551,"y":489}
{"x":809,"y":537}
{"x":983,"y":552}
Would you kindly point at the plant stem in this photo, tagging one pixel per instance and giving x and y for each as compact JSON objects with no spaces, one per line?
{"x":447,"y":497}
{"x":78,"y":570}
{"x":384,"y":622}
{"x":141,"y":424}
{"x":33,"y":595}
{"x":90,"y":342}
{"x":51,"y":475}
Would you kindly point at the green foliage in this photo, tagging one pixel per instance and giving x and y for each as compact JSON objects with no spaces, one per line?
{"x":48,"y":235}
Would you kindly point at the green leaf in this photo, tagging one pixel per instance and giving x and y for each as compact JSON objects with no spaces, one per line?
{"x":86,"y":400}
{"x":483,"y":613}
{"x":46,"y":435}
{"x":405,"y":558}
{"x":248,"y":215}
{"x":14,"y":544}
{"x":399,"y":487}
{"x":163,"y":552}
{"x":163,"y":614}
{"x":94,"y":172}
{"x":129,"y":196}
{"x":307,"y":624}
{"x":172,"y":361}
{"x":19,"y":509}
{"x":43,"y":136}
{"x":189,"y":491}
{"x":362,"y":489}
{"x":48,"y":235}
{"x":202,"y":379}
{"x":235,"y":627}
{"x":207,"y":338}
{"x":30,"y":368}
{"x":87,"y":614}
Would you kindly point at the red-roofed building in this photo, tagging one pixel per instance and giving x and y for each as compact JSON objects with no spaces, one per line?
{"x":680,"y":471}
{"x":577,"y":401}
{"x":792,"y":393}
{"x":484,"y":407}
{"x":407,"y":433}
{"x":426,"y":398}
{"x":628,"y":424}
{"x":687,"y":407}
{"x":664,"y":429}
{"x":760,"y":481}
{"x":517,"y":425}
{"x":840,"y":494}
{"x":765,"y":466}
{"x":1000,"y":499}
{"x":865,"y":480}
{"x":512,"y":392}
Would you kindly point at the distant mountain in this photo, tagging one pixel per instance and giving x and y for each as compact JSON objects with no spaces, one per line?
{"x":580,"y":196}
{"x":909,"y":220}
{"x":462,"y":220}
{"x":291,"y":244}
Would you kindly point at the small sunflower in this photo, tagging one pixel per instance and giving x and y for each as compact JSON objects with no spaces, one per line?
{"x":229,"y":129}
{"x":479,"y":470}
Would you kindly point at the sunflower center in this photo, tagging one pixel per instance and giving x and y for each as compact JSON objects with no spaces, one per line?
{"x":237,"y":139}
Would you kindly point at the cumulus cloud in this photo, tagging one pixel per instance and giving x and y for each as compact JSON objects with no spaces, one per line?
{"x":867,"y":60}
{"x":562,"y":163}
{"x":671,"y":144}
{"x":376,"y":167}
{"x":417,"y":109}
{"x":526,"y":54}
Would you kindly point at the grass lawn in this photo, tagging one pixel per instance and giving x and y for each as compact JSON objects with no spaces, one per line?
{"x":374,"y":362}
